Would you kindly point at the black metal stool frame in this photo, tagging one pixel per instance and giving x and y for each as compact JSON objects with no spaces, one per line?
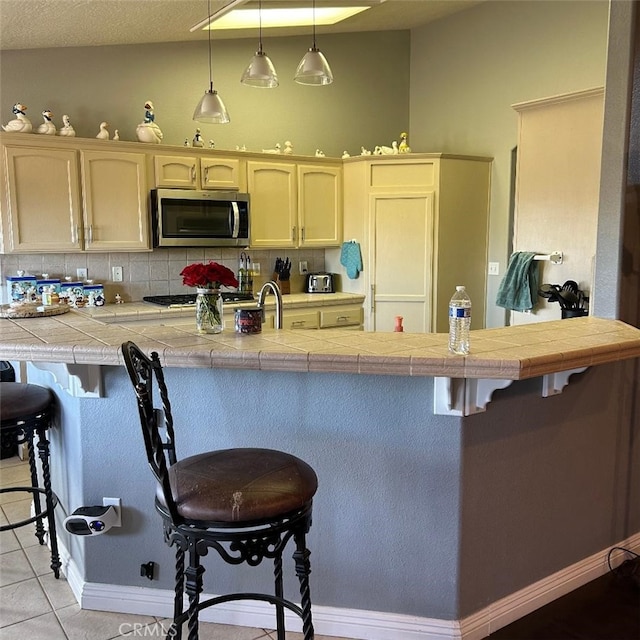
{"x":250,"y":542}
{"x":25,"y":431}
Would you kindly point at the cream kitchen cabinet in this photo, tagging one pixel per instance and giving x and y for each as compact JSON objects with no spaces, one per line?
{"x":115,"y":192}
{"x":295,"y":204}
{"x":422,"y":224}
{"x":59,"y":198}
{"x":199,"y":172}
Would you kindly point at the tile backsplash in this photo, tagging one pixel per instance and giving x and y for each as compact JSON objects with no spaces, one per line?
{"x":152,"y":273}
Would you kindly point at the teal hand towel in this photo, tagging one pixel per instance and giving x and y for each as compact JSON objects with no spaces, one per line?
{"x":518,"y":290}
{"x":351,"y":258}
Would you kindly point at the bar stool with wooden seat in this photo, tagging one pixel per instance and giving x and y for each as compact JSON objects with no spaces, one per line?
{"x":244,"y":503}
{"x":26,"y":411}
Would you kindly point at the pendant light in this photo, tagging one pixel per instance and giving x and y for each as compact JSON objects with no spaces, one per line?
{"x":211,"y":109}
{"x":314,"y":68}
{"x":260,"y":72}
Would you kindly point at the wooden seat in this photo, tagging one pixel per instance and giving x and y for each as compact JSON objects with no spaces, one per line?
{"x":245,"y":503}
{"x":26,"y":410}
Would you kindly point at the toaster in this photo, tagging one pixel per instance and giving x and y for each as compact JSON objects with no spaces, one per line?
{"x":320,"y":283}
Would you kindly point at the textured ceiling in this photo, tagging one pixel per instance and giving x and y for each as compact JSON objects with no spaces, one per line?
{"x":37,"y":24}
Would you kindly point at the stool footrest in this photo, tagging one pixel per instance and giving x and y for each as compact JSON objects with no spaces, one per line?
{"x":42,"y":514}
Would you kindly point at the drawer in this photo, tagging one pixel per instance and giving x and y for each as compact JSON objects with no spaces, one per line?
{"x":300,"y":320}
{"x":341,"y":317}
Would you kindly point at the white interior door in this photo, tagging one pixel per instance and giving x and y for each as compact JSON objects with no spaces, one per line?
{"x":401,"y":259}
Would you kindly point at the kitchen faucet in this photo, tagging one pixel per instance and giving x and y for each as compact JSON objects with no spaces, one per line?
{"x":276,"y":292}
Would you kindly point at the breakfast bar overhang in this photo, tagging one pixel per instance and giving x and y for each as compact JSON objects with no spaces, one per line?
{"x":426,"y":525}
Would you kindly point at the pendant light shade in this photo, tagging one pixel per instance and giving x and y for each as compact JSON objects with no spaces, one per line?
{"x":260,"y":73}
{"x":314,"y":68}
{"x":211,"y":108}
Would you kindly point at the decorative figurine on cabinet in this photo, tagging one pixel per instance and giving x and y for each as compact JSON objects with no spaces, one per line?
{"x":276,"y":149}
{"x":404,"y":145}
{"x":197,"y":139}
{"x":212,"y":144}
{"x":116,"y":135}
{"x":288,"y":147}
{"x":319,"y":153}
{"x":47,"y":127}
{"x":148,"y":130}
{"x":67,"y":128}
{"x":103,"y":134}
{"x":20,"y":124}
{"x":186,"y":142}
{"x":364,"y":152}
{"x":346,"y":154}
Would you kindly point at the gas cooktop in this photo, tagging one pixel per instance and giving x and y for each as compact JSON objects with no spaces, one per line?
{"x":189,"y":299}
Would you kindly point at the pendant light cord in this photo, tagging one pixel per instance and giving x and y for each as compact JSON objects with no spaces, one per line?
{"x":313,"y":18}
{"x":209,"y":30}
{"x":260,"y":26}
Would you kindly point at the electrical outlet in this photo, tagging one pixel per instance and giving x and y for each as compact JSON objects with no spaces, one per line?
{"x":303,"y":267}
{"x":82,"y":273}
{"x":255,"y":268}
{"x":116,"y":274}
{"x":117,"y":503}
{"x":494,"y":268}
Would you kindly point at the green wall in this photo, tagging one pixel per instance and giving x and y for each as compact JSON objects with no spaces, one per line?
{"x":92,"y":84}
{"x":469,"y":68}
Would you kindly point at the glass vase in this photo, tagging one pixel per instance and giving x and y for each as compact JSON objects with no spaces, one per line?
{"x":209,"y":318}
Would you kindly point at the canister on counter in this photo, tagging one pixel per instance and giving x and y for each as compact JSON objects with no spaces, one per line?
{"x":248,"y":320}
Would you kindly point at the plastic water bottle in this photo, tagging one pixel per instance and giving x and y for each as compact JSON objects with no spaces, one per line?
{"x":459,"y":322}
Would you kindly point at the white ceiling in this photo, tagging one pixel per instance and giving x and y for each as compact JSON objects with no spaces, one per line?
{"x":37,"y":24}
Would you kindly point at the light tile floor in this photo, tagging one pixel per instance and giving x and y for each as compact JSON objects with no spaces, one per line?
{"x":36,"y":606}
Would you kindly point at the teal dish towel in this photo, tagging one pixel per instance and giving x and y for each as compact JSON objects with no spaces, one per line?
{"x":351,"y":258}
{"x":519,"y":288}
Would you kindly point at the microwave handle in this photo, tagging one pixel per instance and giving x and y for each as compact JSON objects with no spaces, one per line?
{"x":235,"y":228}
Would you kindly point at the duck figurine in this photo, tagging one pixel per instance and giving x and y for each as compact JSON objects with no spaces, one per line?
{"x":404,"y":145}
{"x":67,"y":128}
{"x":148,"y":130}
{"x":288,"y":147}
{"x":20,"y":124}
{"x":103,"y":134}
{"x":47,"y":127}
{"x":116,"y":135}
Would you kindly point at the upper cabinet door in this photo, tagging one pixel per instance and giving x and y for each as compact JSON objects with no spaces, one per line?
{"x":273,"y":207}
{"x":180,"y":172}
{"x":320,"y":205}
{"x":33,"y":223}
{"x":116,"y":192}
{"x":222,"y":173}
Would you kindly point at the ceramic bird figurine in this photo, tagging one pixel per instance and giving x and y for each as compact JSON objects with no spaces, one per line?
{"x":67,"y":128}
{"x":288,"y":147}
{"x":319,"y":153}
{"x":197,"y":139}
{"x":20,"y":124}
{"x":276,"y":149}
{"x":404,"y":145}
{"x":103,"y":134}
{"x":47,"y":127}
{"x":116,"y":135}
{"x":148,"y":130}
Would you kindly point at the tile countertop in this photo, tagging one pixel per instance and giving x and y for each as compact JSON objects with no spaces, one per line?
{"x":510,"y":353}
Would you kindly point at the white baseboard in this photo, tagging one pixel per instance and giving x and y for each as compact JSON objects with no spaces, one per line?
{"x":355,"y":623}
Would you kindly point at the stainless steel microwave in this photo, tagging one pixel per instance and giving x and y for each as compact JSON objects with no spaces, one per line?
{"x":188,"y":218}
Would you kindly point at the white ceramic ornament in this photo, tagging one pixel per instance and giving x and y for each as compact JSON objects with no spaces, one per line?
{"x":67,"y":128}
{"x":47,"y":127}
{"x":103,"y":134}
{"x":148,"y":130}
{"x":20,"y":124}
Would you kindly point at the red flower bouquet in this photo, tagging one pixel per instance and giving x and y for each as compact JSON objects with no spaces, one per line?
{"x":208,"y":276}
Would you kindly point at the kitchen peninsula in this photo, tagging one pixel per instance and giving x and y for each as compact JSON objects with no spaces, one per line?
{"x":421,"y":519}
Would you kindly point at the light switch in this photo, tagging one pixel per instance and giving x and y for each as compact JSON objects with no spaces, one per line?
{"x":494,"y":268}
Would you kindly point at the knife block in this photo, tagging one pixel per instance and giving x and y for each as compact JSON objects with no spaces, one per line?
{"x":285,"y":285}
